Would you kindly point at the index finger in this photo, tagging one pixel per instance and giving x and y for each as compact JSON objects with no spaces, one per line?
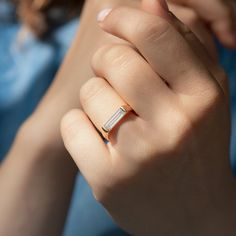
{"x":162,"y":46}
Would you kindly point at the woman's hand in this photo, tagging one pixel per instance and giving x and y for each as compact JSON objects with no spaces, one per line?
{"x":166,"y":168}
{"x":44,"y":164}
{"x":219,"y":15}
{"x":37,"y":177}
{"x":72,"y":76}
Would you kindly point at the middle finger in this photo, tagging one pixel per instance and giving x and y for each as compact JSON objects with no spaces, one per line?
{"x":163,"y":47}
{"x":132,"y":77}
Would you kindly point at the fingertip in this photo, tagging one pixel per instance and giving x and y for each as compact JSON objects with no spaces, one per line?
{"x":232,"y":41}
{"x":85,"y":146}
{"x":228,"y":40}
{"x":226,"y":32}
{"x":69,"y":124}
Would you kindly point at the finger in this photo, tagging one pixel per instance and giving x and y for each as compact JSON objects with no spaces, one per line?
{"x":187,"y":15}
{"x":199,"y":49}
{"x":132,"y":78}
{"x":79,"y":135}
{"x":190,"y":18}
{"x":162,"y":46}
{"x":100,"y":102}
{"x":221,"y":16}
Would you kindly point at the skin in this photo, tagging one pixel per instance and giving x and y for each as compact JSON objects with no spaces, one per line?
{"x":38,"y":167}
{"x":219,"y":15}
{"x":32,"y":176}
{"x":45,"y":164}
{"x":166,"y":169}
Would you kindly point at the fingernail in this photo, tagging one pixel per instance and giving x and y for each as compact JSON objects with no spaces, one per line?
{"x":103,"y":14}
{"x":164,"y":5}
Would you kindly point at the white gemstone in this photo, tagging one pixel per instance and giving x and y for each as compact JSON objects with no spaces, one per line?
{"x":111,"y":123}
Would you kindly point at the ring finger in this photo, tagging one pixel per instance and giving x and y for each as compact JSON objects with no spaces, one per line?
{"x":100,"y":102}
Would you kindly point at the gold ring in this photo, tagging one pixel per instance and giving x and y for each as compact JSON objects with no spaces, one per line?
{"x":115,"y":119}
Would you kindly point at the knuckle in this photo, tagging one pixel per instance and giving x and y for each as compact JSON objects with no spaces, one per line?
{"x":100,"y":53}
{"x":114,"y":54}
{"x":91,"y":89}
{"x":67,"y":124}
{"x":117,"y":55}
{"x":151,"y":30}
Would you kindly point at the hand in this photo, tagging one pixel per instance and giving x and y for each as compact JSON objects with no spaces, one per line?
{"x":190,"y":18}
{"x":74,"y":72}
{"x":72,"y":76}
{"x":166,"y":168}
{"x":219,"y":15}
{"x":37,"y":167}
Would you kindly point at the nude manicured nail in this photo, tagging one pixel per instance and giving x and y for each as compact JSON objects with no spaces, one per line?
{"x":103,"y":14}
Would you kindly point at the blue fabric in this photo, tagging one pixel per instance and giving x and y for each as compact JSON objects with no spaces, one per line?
{"x":228,"y":61}
{"x":87,"y":217}
{"x":26,"y":71}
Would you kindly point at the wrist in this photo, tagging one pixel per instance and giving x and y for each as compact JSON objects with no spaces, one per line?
{"x":31,"y":153}
{"x":36,"y":141}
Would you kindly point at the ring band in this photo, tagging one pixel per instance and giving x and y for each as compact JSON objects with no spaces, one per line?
{"x":115,"y":119}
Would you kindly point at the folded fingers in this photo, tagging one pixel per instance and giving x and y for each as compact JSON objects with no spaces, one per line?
{"x":165,"y":49}
{"x":132,"y":78}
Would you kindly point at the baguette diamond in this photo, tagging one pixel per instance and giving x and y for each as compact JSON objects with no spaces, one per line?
{"x":113,"y":121}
